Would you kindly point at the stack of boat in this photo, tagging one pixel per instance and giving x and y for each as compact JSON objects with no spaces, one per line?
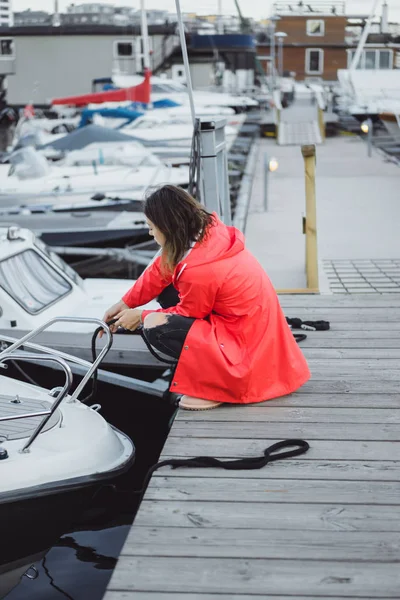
{"x":79,"y":180}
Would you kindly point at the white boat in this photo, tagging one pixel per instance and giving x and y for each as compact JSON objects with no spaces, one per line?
{"x":36,"y":285}
{"x":55,"y":451}
{"x":162,"y":88}
{"x":42,"y":130}
{"x":233,"y":119}
{"x":166,"y":136}
{"x":366,"y":93}
{"x":32,"y":175}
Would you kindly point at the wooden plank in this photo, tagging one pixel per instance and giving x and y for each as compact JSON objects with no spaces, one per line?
{"x":332,"y":579}
{"x":351,"y":341}
{"x":366,"y":334}
{"x":116,"y":595}
{"x":364,"y":313}
{"x":330,"y":385}
{"x":292,"y":491}
{"x":319,"y":450}
{"x":338,"y":301}
{"x":326,"y":400}
{"x":255,"y":515}
{"x":354,"y":364}
{"x":381,"y":354}
{"x":352,"y":470}
{"x":310,"y":431}
{"x":266,"y":412}
{"x":329,"y":373}
{"x":360,"y":546}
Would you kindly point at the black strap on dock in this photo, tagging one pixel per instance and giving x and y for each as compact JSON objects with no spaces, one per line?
{"x":296,"y":323}
{"x":270,"y":454}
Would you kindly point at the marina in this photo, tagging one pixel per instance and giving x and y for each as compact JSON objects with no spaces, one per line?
{"x":118,"y":481}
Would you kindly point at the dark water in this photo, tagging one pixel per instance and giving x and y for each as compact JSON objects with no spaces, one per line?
{"x":81,"y":561}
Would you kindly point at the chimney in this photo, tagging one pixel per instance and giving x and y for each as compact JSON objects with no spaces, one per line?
{"x":56,"y":15}
{"x":385,"y":18}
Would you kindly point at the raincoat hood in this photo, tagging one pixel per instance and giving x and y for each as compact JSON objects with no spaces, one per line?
{"x":221,"y":242}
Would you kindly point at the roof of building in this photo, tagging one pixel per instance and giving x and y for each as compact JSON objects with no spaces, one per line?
{"x":85,"y":29}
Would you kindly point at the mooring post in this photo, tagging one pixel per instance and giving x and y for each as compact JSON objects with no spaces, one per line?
{"x":321,"y":123}
{"x":310,"y":220}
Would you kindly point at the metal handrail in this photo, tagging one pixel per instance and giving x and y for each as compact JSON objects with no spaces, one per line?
{"x":93,"y":366}
{"x":47,"y":414}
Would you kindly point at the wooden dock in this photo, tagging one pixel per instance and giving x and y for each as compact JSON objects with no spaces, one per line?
{"x":323,"y":525}
{"x":299,"y":124}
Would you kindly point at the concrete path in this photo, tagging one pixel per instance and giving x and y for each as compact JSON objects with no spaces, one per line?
{"x":358,"y":208}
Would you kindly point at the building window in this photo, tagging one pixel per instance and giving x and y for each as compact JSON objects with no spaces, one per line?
{"x":123,"y":49}
{"x":314,"y":61}
{"x":372,"y":59}
{"x":385,"y":59}
{"x":315,"y":27}
{"x":6,"y":48}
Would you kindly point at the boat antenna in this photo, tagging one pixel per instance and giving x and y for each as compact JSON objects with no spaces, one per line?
{"x":185,"y":60}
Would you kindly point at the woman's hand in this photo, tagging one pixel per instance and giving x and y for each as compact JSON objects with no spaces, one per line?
{"x":111,"y":313}
{"x":129,"y":318}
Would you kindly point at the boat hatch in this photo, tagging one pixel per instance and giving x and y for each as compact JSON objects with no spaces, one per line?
{"x":20,"y":427}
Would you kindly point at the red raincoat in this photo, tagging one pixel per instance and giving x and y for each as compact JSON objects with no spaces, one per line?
{"x":240,"y":349}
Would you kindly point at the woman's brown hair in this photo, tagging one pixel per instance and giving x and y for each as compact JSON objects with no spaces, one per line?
{"x":180,"y":218}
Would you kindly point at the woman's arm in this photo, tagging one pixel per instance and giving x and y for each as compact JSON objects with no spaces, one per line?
{"x":197,"y":299}
{"x":149,"y":285}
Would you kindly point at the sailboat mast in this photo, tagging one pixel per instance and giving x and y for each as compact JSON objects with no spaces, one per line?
{"x":185,"y":60}
{"x":145,"y":36}
{"x":363,"y":39}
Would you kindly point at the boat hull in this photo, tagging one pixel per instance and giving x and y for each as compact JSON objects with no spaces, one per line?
{"x":34,"y":518}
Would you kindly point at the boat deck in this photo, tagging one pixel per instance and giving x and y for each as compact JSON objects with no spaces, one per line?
{"x":323,"y":525}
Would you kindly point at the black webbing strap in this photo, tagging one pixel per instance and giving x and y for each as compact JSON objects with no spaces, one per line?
{"x":270,"y":454}
{"x":296,"y":323}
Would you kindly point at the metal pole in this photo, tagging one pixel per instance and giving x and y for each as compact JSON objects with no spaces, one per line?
{"x":145,"y":36}
{"x":266,"y":173}
{"x":280,"y":57}
{"x":363,"y":39}
{"x":185,"y":61}
{"x":272,"y":53}
{"x":369,"y":136}
{"x":220,"y":23}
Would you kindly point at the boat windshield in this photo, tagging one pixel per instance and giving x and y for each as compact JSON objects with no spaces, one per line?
{"x":32,"y":281}
{"x":61,"y":264}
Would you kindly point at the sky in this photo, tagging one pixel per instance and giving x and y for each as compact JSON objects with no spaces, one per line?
{"x":250,"y":8}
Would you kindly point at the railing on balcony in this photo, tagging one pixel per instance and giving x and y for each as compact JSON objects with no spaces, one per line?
{"x":325,"y":7}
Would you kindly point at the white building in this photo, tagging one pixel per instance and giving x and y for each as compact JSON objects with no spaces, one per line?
{"x":6,"y":14}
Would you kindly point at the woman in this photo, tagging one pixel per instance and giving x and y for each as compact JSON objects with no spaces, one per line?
{"x":220,"y":315}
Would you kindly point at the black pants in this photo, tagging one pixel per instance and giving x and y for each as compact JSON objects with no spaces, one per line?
{"x":169,"y":337}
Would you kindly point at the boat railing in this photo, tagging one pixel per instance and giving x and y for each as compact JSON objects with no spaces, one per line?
{"x":47,"y":352}
{"x":61,"y":393}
